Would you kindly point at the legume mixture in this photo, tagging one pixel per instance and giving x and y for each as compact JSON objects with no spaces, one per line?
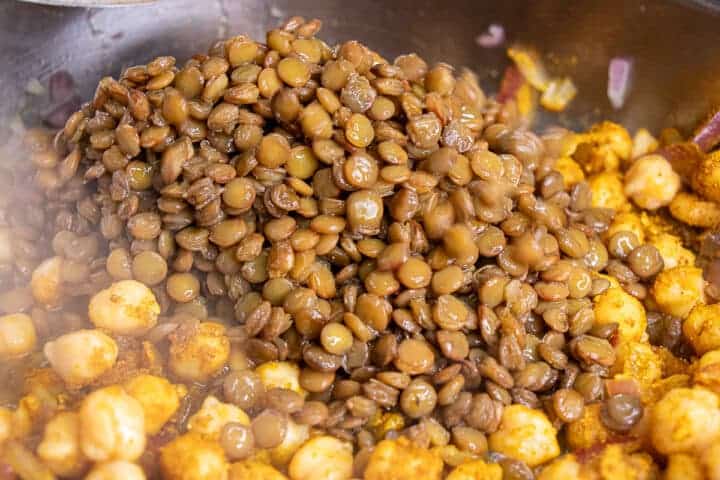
{"x":291,"y":260}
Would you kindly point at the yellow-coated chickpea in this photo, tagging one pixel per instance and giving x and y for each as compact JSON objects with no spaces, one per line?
{"x":280,"y":375}
{"x":603,"y":147}
{"x":643,"y":143}
{"x":193,"y":457}
{"x":571,"y":172}
{"x":685,"y":420}
{"x":561,"y":468}
{"x":6,"y":424}
{"x":402,"y":460}
{"x":295,"y":436}
{"x":627,"y":221}
{"x":80,"y":357}
{"x":112,"y":425}
{"x":707,"y":371}
{"x":588,"y":430}
{"x":683,"y":466}
{"x":159,"y":399}
{"x":213,"y":415}
{"x":45,"y":282}
{"x":677,"y":290}
{"x":60,"y":446}
{"x":608,"y":191}
{"x":17,"y":336}
{"x":127,"y":307}
{"x":706,"y":177}
{"x":117,"y":470}
{"x":651,"y":182}
{"x":617,"y":306}
{"x":702,"y":328}
{"x":672,"y":251}
{"x":525,"y":434}
{"x":201,"y":355}
{"x":637,"y":360}
{"x":694,"y":210}
{"x":476,"y":469}
{"x":613,"y":462}
{"x":710,"y":459}
{"x":252,"y":469}
{"x":322,"y":458}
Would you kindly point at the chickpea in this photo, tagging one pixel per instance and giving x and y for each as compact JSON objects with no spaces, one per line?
{"x":678,"y":290}
{"x":159,"y":399}
{"x":119,"y":469}
{"x":570,"y":170}
{"x":651,"y":182}
{"x":638,"y":361}
{"x":525,"y":434}
{"x":707,"y":371}
{"x":672,"y":251}
{"x":193,"y":457}
{"x":254,"y":469}
{"x":280,"y":375}
{"x":112,"y":425}
{"x":617,"y":306}
{"x":710,"y":459}
{"x":685,"y":420}
{"x":45,"y":281}
{"x":561,"y":468}
{"x":295,"y":436}
{"x":476,"y":469}
{"x":213,"y":415}
{"x":127,"y":307}
{"x":200,"y":355}
{"x":627,"y":221}
{"x":82,"y":356}
{"x":588,"y":430}
{"x":682,"y":466}
{"x":17,"y":336}
{"x":608,"y":192}
{"x":322,"y":457}
{"x":402,"y":460}
{"x":702,"y":328}
{"x":59,"y":448}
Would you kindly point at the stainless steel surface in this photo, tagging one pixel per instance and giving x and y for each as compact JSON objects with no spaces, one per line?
{"x":88,"y":3}
{"x":675,"y":44}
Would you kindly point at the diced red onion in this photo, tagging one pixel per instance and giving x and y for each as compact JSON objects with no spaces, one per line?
{"x":709,"y":134}
{"x":619,"y":80}
{"x":510,"y":84}
{"x":58,"y":113}
{"x":493,"y":37}
{"x":61,"y":85}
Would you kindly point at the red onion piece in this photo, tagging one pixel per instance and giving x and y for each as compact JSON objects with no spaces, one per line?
{"x":708,"y":135}
{"x":493,"y":37}
{"x":61,"y":86}
{"x":510,"y":84}
{"x":620,"y":73}
{"x":57,"y":114}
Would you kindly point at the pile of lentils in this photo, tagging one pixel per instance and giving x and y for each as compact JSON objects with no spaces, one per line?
{"x":383,"y":225}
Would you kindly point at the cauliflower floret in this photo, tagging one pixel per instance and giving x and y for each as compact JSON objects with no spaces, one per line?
{"x":322,"y":458}
{"x":706,"y":177}
{"x":561,"y":468}
{"x":570,"y":171}
{"x":672,"y":251}
{"x":127,"y":307}
{"x":638,"y":360}
{"x":707,"y":371}
{"x":401,"y":460}
{"x":603,"y":147}
{"x":80,"y":357}
{"x":588,"y":430}
{"x":613,"y":463}
{"x":685,"y":420}
{"x":677,"y":290}
{"x":627,"y":221}
{"x":295,"y":436}
{"x":525,"y":434}
{"x":159,"y":398}
{"x":112,"y":425}
{"x":694,"y":211}
{"x":117,"y":470}
{"x":608,"y":191}
{"x":17,"y":336}
{"x":251,"y":469}
{"x":280,"y":375}
{"x":681,"y":466}
{"x":476,"y":470}
{"x":193,"y":457}
{"x":651,"y":182}
{"x":615,"y":305}
{"x":200,"y":354}
{"x":643,"y":143}
{"x":702,"y":328}
{"x":60,"y":445}
{"x":213,"y":415}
